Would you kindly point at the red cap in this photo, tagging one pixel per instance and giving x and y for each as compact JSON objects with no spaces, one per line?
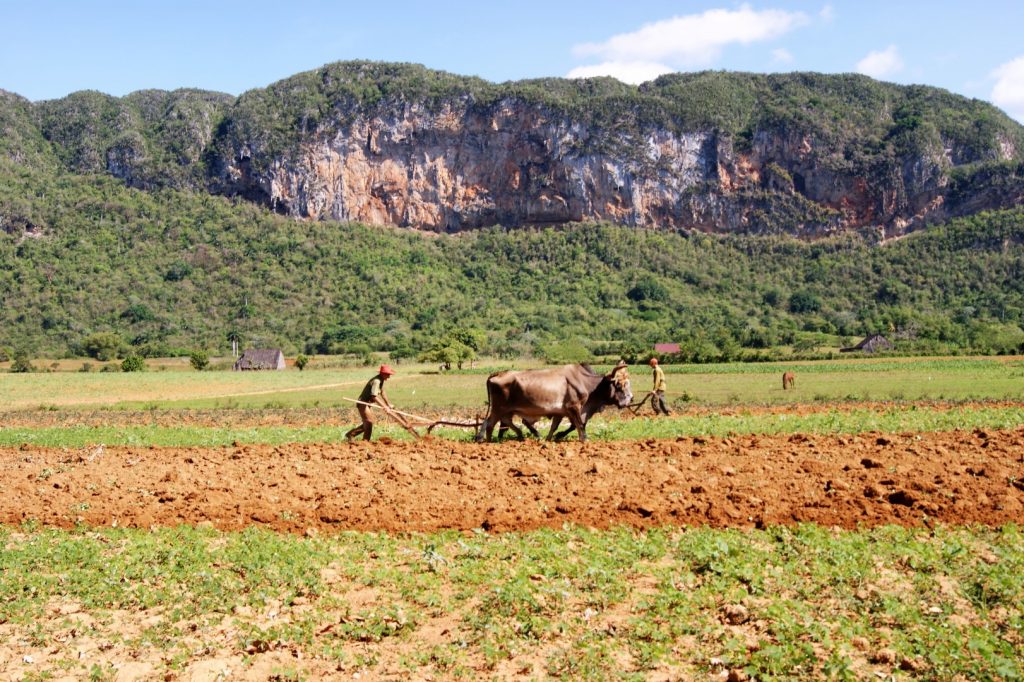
{"x":653,"y":362}
{"x":386,"y":370}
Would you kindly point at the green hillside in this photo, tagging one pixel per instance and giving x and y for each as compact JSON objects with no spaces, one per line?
{"x":167,"y":270}
{"x":108,"y":225}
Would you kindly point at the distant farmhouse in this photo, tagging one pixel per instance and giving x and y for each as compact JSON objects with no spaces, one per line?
{"x":872,"y":344}
{"x":666,"y":348}
{"x":260,"y":358}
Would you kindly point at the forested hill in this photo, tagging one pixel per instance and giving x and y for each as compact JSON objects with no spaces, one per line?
{"x":803,"y":153}
{"x":167,"y":271}
{"x":168,"y":221}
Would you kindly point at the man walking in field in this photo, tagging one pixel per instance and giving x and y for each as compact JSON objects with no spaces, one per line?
{"x":373,"y":394}
{"x":658,"y":399}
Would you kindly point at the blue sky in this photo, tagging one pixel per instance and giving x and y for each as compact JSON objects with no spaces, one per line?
{"x":50,"y":48}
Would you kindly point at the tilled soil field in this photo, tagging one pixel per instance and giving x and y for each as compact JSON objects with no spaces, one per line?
{"x":748,"y":481}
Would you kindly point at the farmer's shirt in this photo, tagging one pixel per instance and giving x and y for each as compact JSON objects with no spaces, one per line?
{"x":372,"y":389}
{"x":659,"y":380}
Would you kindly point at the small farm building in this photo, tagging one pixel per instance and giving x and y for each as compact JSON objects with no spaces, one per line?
{"x":872,"y":344}
{"x":666,"y":348}
{"x":260,"y":358}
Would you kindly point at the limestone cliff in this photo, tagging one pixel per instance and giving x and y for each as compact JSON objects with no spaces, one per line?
{"x":807,"y":154}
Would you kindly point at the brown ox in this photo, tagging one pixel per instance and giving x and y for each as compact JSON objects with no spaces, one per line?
{"x":574,"y":392}
{"x":788,"y":380}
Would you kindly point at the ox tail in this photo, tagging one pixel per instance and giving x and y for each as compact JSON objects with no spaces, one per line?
{"x":481,"y":434}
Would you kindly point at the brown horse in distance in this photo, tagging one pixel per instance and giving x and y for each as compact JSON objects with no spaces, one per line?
{"x":788,"y":380}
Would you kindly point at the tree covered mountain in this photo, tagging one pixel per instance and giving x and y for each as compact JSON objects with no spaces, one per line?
{"x":176,"y":220}
{"x":801,"y":153}
{"x":170,"y":270}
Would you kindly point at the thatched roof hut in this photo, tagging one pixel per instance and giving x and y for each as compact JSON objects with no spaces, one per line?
{"x":260,"y":358}
{"x":872,"y":344}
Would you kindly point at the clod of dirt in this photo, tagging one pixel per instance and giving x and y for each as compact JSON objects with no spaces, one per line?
{"x":643,"y":510}
{"x":523,"y":471}
{"x":869,"y":463}
{"x":873,"y":491}
{"x":735,"y":614}
{"x":902,"y":497}
{"x":840,"y":486}
{"x":914,"y":665}
{"x":401,"y":469}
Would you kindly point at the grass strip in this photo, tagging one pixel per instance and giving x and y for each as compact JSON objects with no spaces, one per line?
{"x":894,"y":420}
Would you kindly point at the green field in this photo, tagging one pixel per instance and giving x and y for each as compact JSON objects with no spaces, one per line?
{"x":898,"y":418}
{"x":942,"y":603}
{"x":421,"y":386}
{"x":777,"y":604}
{"x":708,"y":399}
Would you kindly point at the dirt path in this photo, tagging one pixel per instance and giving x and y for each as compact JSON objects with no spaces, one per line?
{"x":846,"y":481}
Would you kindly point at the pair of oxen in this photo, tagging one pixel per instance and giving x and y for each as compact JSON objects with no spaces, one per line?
{"x":572,"y":392}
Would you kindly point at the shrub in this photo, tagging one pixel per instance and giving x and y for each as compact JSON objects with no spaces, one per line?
{"x":448,"y":351}
{"x":804,"y":302}
{"x":133,"y":363}
{"x":566,"y":351}
{"x":103,"y":345}
{"x":199,"y":360}
{"x":22,"y":364}
{"x":648,"y":288}
{"x":138,"y":313}
{"x":301,"y":361}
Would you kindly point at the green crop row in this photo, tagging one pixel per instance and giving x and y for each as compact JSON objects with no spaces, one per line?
{"x":859,"y":420}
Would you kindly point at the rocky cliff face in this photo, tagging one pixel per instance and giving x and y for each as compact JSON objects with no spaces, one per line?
{"x":400,"y":145}
{"x":475,"y":160}
{"x":465,"y":167}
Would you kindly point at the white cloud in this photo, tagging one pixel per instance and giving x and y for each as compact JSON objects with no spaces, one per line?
{"x":690,"y":41}
{"x":881,"y":63}
{"x":1008,"y":91}
{"x":627,"y":72}
{"x":782,"y":56}
{"x":827,"y":14}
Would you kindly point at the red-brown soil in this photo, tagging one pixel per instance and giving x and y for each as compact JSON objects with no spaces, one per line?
{"x":847,"y":481}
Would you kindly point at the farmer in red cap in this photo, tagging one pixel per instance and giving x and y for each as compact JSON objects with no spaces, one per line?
{"x":373,"y":394}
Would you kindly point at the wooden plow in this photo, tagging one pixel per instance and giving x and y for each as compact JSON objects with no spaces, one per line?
{"x":397,"y":415}
{"x":462,"y":424}
{"x":635,"y":407}
{"x":431,"y":424}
